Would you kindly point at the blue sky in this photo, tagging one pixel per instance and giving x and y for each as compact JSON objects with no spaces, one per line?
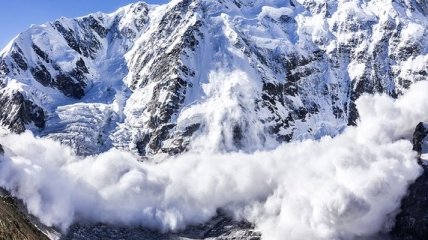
{"x":18,"y":15}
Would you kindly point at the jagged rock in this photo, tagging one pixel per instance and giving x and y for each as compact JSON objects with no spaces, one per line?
{"x":412,"y":221}
{"x":418,"y":137}
{"x":14,"y":224}
{"x":303,"y":81}
{"x":220,"y":227}
{"x":16,"y":112}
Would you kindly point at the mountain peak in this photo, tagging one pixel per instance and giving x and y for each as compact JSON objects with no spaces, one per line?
{"x":219,"y":76}
{"x":149,"y":67}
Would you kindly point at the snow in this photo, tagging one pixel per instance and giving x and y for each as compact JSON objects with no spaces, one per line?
{"x":275,"y":12}
{"x":7,"y":48}
{"x":340,"y":187}
{"x":238,"y":51}
{"x":413,"y":31}
{"x":356,"y":69}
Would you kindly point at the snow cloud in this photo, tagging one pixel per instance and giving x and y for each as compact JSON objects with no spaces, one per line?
{"x":345,"y":186}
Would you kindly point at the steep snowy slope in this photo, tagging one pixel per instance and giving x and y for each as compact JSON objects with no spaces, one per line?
{"x":150,"y":79}
{"x":64,"y":78}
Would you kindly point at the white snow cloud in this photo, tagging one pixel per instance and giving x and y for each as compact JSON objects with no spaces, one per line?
{"x":335,"y":187}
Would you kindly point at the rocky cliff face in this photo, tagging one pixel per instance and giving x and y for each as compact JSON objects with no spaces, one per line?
{"x":14,"y":225}
{"x":412,"y":221}
{"x":220,"y":227}
{"x":142,"y":78}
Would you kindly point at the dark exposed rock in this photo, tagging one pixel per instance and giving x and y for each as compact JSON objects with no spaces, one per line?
{"x":40,"y":52}
{"x":159,"y":135}
{"x":408,"y":50}
{"x":88,"y":44}
{"x":127,"y":33}
{"x":141,"y":145}
{"x":16,"y":112}
{"x":81,"y":66}
{"x":238,"y":135}
{"x":238,"y":3}
{"x":70,"y":84}
{"x":353,"y":114}
{"x":4,"y":70}
{"x":143,"y":8}
{"x":180,"y":144}
{"x":42,"y":75}
{"x":67,"y":85}
{"x":191,"y":129}
{"x":96,"y":26}
{"x":220,"y":227}
{"x":14,"y":224}
{"x":422,"y":5}
{"x":17,"y":56}
{"x":418,"y":136}
{"x":68,"y":35}
{"x":171,"y":76}
{"x":412,"y":222}
{"x":190,"y":38}
{"x":1,"y":150}
{"x":273,"y":92}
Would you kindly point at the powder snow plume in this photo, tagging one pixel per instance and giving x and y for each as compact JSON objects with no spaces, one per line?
{"x":341,"y":187}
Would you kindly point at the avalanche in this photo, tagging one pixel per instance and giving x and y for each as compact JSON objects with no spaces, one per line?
{"x":208,"y":93}
{"x":141,"y":79}
{"x":340,"y":187}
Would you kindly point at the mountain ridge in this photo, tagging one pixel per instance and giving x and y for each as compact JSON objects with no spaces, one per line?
{"x":217,"y":77}
{"x":302,"y":73}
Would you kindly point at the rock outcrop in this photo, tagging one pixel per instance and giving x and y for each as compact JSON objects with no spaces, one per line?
{"x":412,"y":221}
{"x":14,"y":224}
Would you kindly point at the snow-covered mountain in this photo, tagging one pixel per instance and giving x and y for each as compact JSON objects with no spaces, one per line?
{"x":220,"y":79}
{"x":151,"y":78}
